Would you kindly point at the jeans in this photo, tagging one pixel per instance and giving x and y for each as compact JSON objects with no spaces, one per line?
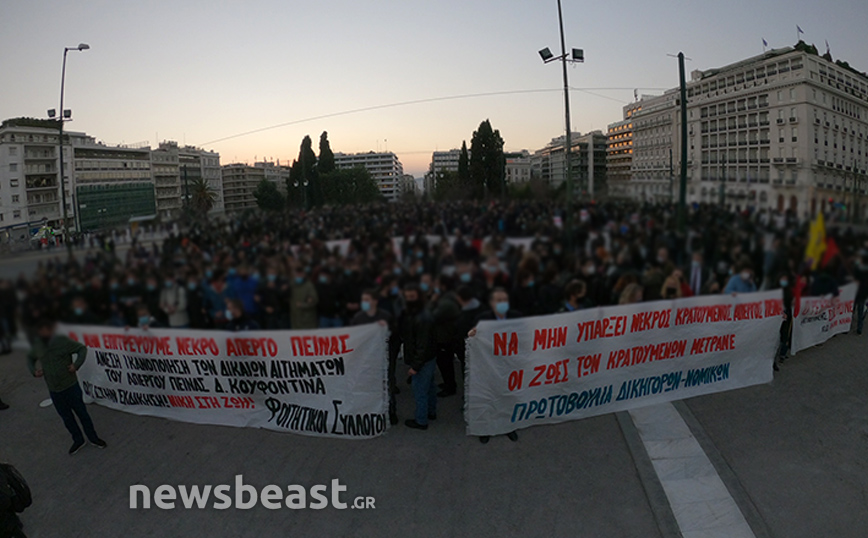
{"x":860,"y":316}
{"x":70,"y":404}
{"x":330,"y":323}
{"x":425,"y":392}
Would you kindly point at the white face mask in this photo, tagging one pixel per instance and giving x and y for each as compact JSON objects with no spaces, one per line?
{"x":745,"y":275}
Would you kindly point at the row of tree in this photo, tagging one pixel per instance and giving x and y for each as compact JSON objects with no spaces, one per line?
{"x":315,"y":181}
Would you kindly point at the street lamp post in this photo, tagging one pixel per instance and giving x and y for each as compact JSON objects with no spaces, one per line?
{"x":578,"y":56}
{"x":63,"y":116}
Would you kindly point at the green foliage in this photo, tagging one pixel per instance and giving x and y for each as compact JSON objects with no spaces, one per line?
{"x":449,"y":187}
{"x":268,"y":198}
{"x":304,"y":187}
{"x":486,"y":162}
{"x":326,"y":162}
{"x":350,"y":186}
{"x":31,"y":122}
{"x":202,"y":197}
{"x":464,"y":164}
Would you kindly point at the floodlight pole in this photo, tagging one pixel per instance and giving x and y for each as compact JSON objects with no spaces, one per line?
{"x":568,"y":147}
{"x":65,"y":235}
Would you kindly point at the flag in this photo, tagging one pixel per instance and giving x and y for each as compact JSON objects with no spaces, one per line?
{"x":799,"y":28}
{"x":765,"y":43}
{"x":832,"y":250}
{"x":816,"y":242}
{"x":827,"y":47}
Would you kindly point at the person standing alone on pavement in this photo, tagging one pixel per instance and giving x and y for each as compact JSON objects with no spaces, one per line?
{"x":414,"y":331}
{"x":53,"y":354}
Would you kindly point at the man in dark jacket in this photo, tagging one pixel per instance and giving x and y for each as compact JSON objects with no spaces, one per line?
{"x":414,"y":332}
{"x":54,"y":355}
{"x":445,"y":311}
{"x":10,"y":525}
{"x":369,"y":313}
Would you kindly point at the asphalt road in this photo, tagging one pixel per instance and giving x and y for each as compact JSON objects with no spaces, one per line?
{"x":792,"y":451}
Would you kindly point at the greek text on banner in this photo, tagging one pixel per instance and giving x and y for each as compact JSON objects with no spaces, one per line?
{"x":328,"y":383}
{"x":551,"y":369}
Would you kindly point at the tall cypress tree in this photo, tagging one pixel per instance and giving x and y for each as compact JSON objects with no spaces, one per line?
{"x":464,"y":166}
{"x":303,"y":171}
{"x":486,"y":162}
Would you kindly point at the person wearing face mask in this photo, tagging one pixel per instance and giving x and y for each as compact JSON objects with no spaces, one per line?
{"x":152,"y":299}
{"x":369,"y":313}
{"x":237,"y":319}
{"x":130,"y":293}
{"x":414,"y":334}
{"x":328,"y":306}
{"x":698,"y":276}
{"x":500,"y":311}
{"x":272,"y":299}
{"x":785,"y":282}
{"x":145,"y":319}
{"x":196,"y":312}
{"x":444,"y":312}
{"x":173,"y":303}
{"x":742,"y":281}
{"x":51,"y":357}
{"x":81,"y":314}
{"x":303,"y":301}
{"x":525,"y":294}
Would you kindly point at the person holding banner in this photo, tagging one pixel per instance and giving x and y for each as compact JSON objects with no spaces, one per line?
{"x":369,"y":313}
{"x":54,"y":355}
{"x":500,"y":311}
{"x":414,"y":332}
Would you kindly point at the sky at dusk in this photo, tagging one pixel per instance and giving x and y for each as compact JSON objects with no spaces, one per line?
{"x":199,"y":71}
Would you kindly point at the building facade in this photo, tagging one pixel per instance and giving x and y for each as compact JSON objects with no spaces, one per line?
{"x":619,"y":153}
{"x":517,"y":167}
{"x":239,"y":183}
{"x":385,"y":168}
{"x":784,"y":130}
{"x":587,"y":164}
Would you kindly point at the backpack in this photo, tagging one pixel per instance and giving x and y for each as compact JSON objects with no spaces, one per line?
{"x":21,"y":497}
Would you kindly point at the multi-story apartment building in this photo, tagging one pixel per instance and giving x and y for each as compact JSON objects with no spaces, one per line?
{"x":197,"y":163}
{"x":176,"y":168}
{"x":275,"y":173}
{"x":784,"y":130}
{"x":619,"y":152}
{"x":587,"y":164}
{"x":385,"y":168}
{"x":239,"y":183}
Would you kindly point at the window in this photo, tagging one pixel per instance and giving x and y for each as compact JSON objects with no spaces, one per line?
{"x":792,"y":94}
{"x":13,"y":167}
{"x":795,"y":135}
{"x":13,"y":151}
{"x":15,"y":198}
{"x":13,"y":182}
{"x":16,"y":214}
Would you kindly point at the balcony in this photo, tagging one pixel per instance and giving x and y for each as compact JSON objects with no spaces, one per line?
{"x":778,"y":160}
{"x":816,"y":121}
{"x":792,"y":160}
{"x":765,"y":141}
{"x":777,"y":181}
{"x":794,"y":120}
{"x":780,"y":121}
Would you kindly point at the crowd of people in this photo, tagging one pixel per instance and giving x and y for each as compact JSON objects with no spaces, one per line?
{"x":452,"y":265}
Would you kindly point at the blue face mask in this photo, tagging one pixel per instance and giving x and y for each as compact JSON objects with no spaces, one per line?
{"x":502,"y":307}
{"x":272,"y":277}
{"x":365,"y":306}
{"x":143,"y":320}
{"x":530,"y":284}
{"x":114,"y":286}
{"x":131,"y":282}
{"x":299,"y":279}
{"x":394,"y":290}
{"x":347,"y":272}
{"x":424,"y":286}
{"x":152,"y":287}
{"x":78,"y":310}
{"x":397,"y":270}
{"x":465,"y":277}
{"x":420,"y":255}
{"x":784,"y":283}
{"x":437,"y":291}
{"x":231,"y":271}
{"x":209,"y":273}
{"x":168,"y":283}
{"x":323,"y":279}
{"x":191,"y":286}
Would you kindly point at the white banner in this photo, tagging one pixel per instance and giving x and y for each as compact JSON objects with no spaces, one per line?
{"x":551,"y":369}
{"x":816,"y":319}
{"x":326,"y":383}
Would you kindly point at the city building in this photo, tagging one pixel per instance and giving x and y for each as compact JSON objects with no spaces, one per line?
{"x":441,"y":161}
{"x":112,"y":184}
{"x":197,"y":163}
{"x":783,"y":130}
{"x":167,"y":180}
{"x":239,"y":183}
{"x":408,"y":186}
{"x":517,"y":167}
{"x":619,"y":153}
{"x":275,"y":173}
{"x":385,"y":168}
{"x":588,"y":163}
{"x":176,"y":168}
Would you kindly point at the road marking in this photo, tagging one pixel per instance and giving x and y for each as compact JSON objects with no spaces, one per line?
{"x":701,"y":503}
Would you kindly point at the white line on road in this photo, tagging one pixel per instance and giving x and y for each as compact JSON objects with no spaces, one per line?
{"x":702,"y":505}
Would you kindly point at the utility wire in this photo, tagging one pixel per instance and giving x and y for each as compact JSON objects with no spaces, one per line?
{"x":422,"y":101}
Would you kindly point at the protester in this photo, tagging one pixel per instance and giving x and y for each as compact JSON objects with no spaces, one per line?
{"x":414,"y":333}
{"x":173,"y":303}
{"x":51,"y":358}
{"x":237,"y":319}
{"x":304,"y":302}
{"x":742,"y":281}
{"x":369,"y":313}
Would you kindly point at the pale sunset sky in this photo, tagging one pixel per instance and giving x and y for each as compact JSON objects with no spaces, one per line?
{"x":197,"y":71}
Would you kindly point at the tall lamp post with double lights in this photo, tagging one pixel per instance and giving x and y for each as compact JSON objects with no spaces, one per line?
{"x":65,"y":115}
{"x":577,"y":56}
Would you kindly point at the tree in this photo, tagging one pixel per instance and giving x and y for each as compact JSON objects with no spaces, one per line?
{"x":350,"y":186}
{"x":303,"y":184}
{"x":486,"y":162}
{"x":448,"y":186}
{"x":202,"y":197}
{"x":326,"y":162}
{"x":464,"y":165}
{"x":268,"y":198}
